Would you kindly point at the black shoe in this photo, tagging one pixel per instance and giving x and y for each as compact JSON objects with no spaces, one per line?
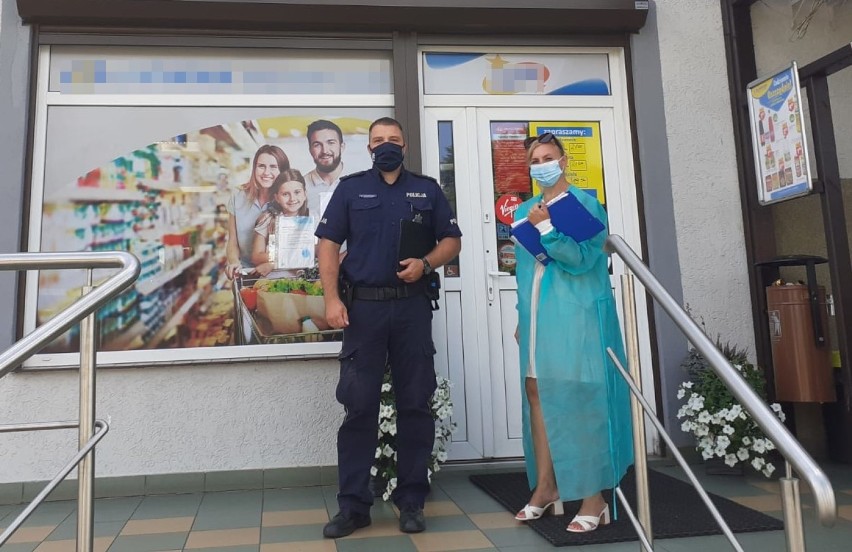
{"x":411,"y":520}
{"x":344,"y":523}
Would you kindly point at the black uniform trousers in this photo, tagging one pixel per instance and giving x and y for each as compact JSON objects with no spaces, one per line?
{"x":399,"y":332}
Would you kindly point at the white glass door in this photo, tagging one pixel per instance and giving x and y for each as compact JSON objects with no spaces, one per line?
{"x":479,"y":155}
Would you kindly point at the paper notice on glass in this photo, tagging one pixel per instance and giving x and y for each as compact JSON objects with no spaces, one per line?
{"x":293,"y":246}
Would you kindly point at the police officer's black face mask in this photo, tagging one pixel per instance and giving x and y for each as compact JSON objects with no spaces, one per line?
{"x":387,"y":157}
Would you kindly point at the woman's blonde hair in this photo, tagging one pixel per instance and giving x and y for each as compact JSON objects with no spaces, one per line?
{"x":537,"y":142}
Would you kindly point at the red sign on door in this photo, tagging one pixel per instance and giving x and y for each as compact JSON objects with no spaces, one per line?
{"x":506,"y":206}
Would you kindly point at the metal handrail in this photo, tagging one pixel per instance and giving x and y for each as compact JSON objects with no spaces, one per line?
{"x":82,"y":311}
{"x":102,"y":428}
{"x":784,"y":441}
{"x":702,"y":494}
{"x":36,"y":340}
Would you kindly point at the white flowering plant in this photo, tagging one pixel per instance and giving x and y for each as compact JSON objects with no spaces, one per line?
{"x":384,"y":466}
{"x":722,"y":428}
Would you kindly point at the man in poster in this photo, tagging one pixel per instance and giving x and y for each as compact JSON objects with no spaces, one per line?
{"x":325,"y":143}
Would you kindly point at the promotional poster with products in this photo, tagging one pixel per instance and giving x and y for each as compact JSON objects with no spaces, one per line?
{"x":250,"y":190}
{"x":778,"y":137}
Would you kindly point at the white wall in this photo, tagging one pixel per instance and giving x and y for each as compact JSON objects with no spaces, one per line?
{"x":179,"y":419}
{"x":705,"y":189}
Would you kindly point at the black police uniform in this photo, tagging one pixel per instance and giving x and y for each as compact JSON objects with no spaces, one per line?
{"x":389,"y":322}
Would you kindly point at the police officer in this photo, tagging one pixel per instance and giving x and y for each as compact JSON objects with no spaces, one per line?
{"x":387,"y":321}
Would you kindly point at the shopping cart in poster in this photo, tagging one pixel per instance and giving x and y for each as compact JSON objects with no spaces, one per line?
{"x":289,"y":315}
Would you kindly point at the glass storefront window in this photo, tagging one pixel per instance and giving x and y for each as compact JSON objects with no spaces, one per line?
{"x":447,"y":179}
{"x":170,"y":183}
{"x":80,"y":70}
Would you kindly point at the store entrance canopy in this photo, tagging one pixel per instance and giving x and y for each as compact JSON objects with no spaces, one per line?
{"x":517,"y":17}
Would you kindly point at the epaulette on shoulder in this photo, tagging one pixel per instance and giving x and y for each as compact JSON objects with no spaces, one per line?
{"x":425,"y":176}
{"x":353,"y":175}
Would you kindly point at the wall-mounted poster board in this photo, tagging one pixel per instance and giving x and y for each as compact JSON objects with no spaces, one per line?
{"x":778,"y":137}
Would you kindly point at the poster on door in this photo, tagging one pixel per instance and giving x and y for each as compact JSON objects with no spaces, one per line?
{"x":511,"y":174}
{"x":582,"y":143}
{"x":778,"y":137}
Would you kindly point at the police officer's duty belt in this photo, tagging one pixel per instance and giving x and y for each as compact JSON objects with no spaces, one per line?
{"x":388,"y":293}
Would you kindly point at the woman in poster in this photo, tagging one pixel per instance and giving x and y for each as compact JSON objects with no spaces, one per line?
{"x":246,"y":205}
{"x":576,"y":409}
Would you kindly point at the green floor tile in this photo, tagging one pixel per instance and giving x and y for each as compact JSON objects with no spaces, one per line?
{"x":233,"y":480}
{"x":11,"y":493}
{"x":450,"y":523}
{"x":436,"y":493}
{"x":68,"y":529}
{"x":112,"y":487}
{"x":382,"y":510}
{"x":28,"y":547}
{"x":116,"y":509}
{"x":513,"y":536}
{"x":66,"y":490}
{"x":401,"y":543}
{"x":148,"y":543}
{"x":231,"y":500}
{"x":236,"y":518}
{"x":292,"y":533}
{"x":247,"y":548}
{"x":166,"y":506}
{"x":473,"y":504}
{"x":547,"y":547}
{"x":329,"y":475}
{"x":292,"y":477}
{"x":303,"y":498}
{"x":174,"y":483}
{"x":48,"y":513}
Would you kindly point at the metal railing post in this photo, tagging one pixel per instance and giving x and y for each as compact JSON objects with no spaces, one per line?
{"x":86,"y":469}
{"x":82,"y":311}
{"x":792,"y":507}
{"x":640,"y":458}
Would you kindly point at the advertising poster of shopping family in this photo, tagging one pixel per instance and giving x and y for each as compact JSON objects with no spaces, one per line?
{"x":222,"y":221}
{"x":778,"y":137}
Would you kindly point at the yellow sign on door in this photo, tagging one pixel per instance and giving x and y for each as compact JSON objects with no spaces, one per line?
{"x":582,"y":143}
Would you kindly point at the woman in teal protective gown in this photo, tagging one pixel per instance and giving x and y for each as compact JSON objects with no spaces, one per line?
{"x":576,"y":410}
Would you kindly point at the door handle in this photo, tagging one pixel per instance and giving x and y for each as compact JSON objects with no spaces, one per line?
{"x":492,"y":274}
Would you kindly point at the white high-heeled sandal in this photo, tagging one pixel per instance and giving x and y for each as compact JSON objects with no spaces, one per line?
{"x":590,"y":523}
{"x":534,"y":512}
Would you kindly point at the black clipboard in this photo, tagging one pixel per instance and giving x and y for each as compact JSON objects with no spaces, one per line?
{"x":415,"y":240}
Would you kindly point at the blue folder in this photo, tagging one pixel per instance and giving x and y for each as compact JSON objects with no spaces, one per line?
{"x":567,"y":215}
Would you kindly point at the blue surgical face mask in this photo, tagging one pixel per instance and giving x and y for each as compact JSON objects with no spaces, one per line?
{"x":547,"y":174}
{"x":387,"y":156}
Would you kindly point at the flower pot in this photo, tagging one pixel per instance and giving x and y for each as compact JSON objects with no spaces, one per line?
{"x":717,"y":466}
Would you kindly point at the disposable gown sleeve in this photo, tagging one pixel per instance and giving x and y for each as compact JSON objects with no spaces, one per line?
{"x":572,"y":257}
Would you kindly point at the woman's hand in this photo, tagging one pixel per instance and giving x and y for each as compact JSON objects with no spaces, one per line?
{"x":264,"y":268}
{"x":538,"y":213}
{"x":232,"y":269}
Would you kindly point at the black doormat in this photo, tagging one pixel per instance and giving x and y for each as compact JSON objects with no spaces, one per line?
{"x":676,"y":511}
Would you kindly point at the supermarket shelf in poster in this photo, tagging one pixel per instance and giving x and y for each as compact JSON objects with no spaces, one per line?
{"x":104,"y":195}
{"x":147,"y":286}
{"x":174,"y":321}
